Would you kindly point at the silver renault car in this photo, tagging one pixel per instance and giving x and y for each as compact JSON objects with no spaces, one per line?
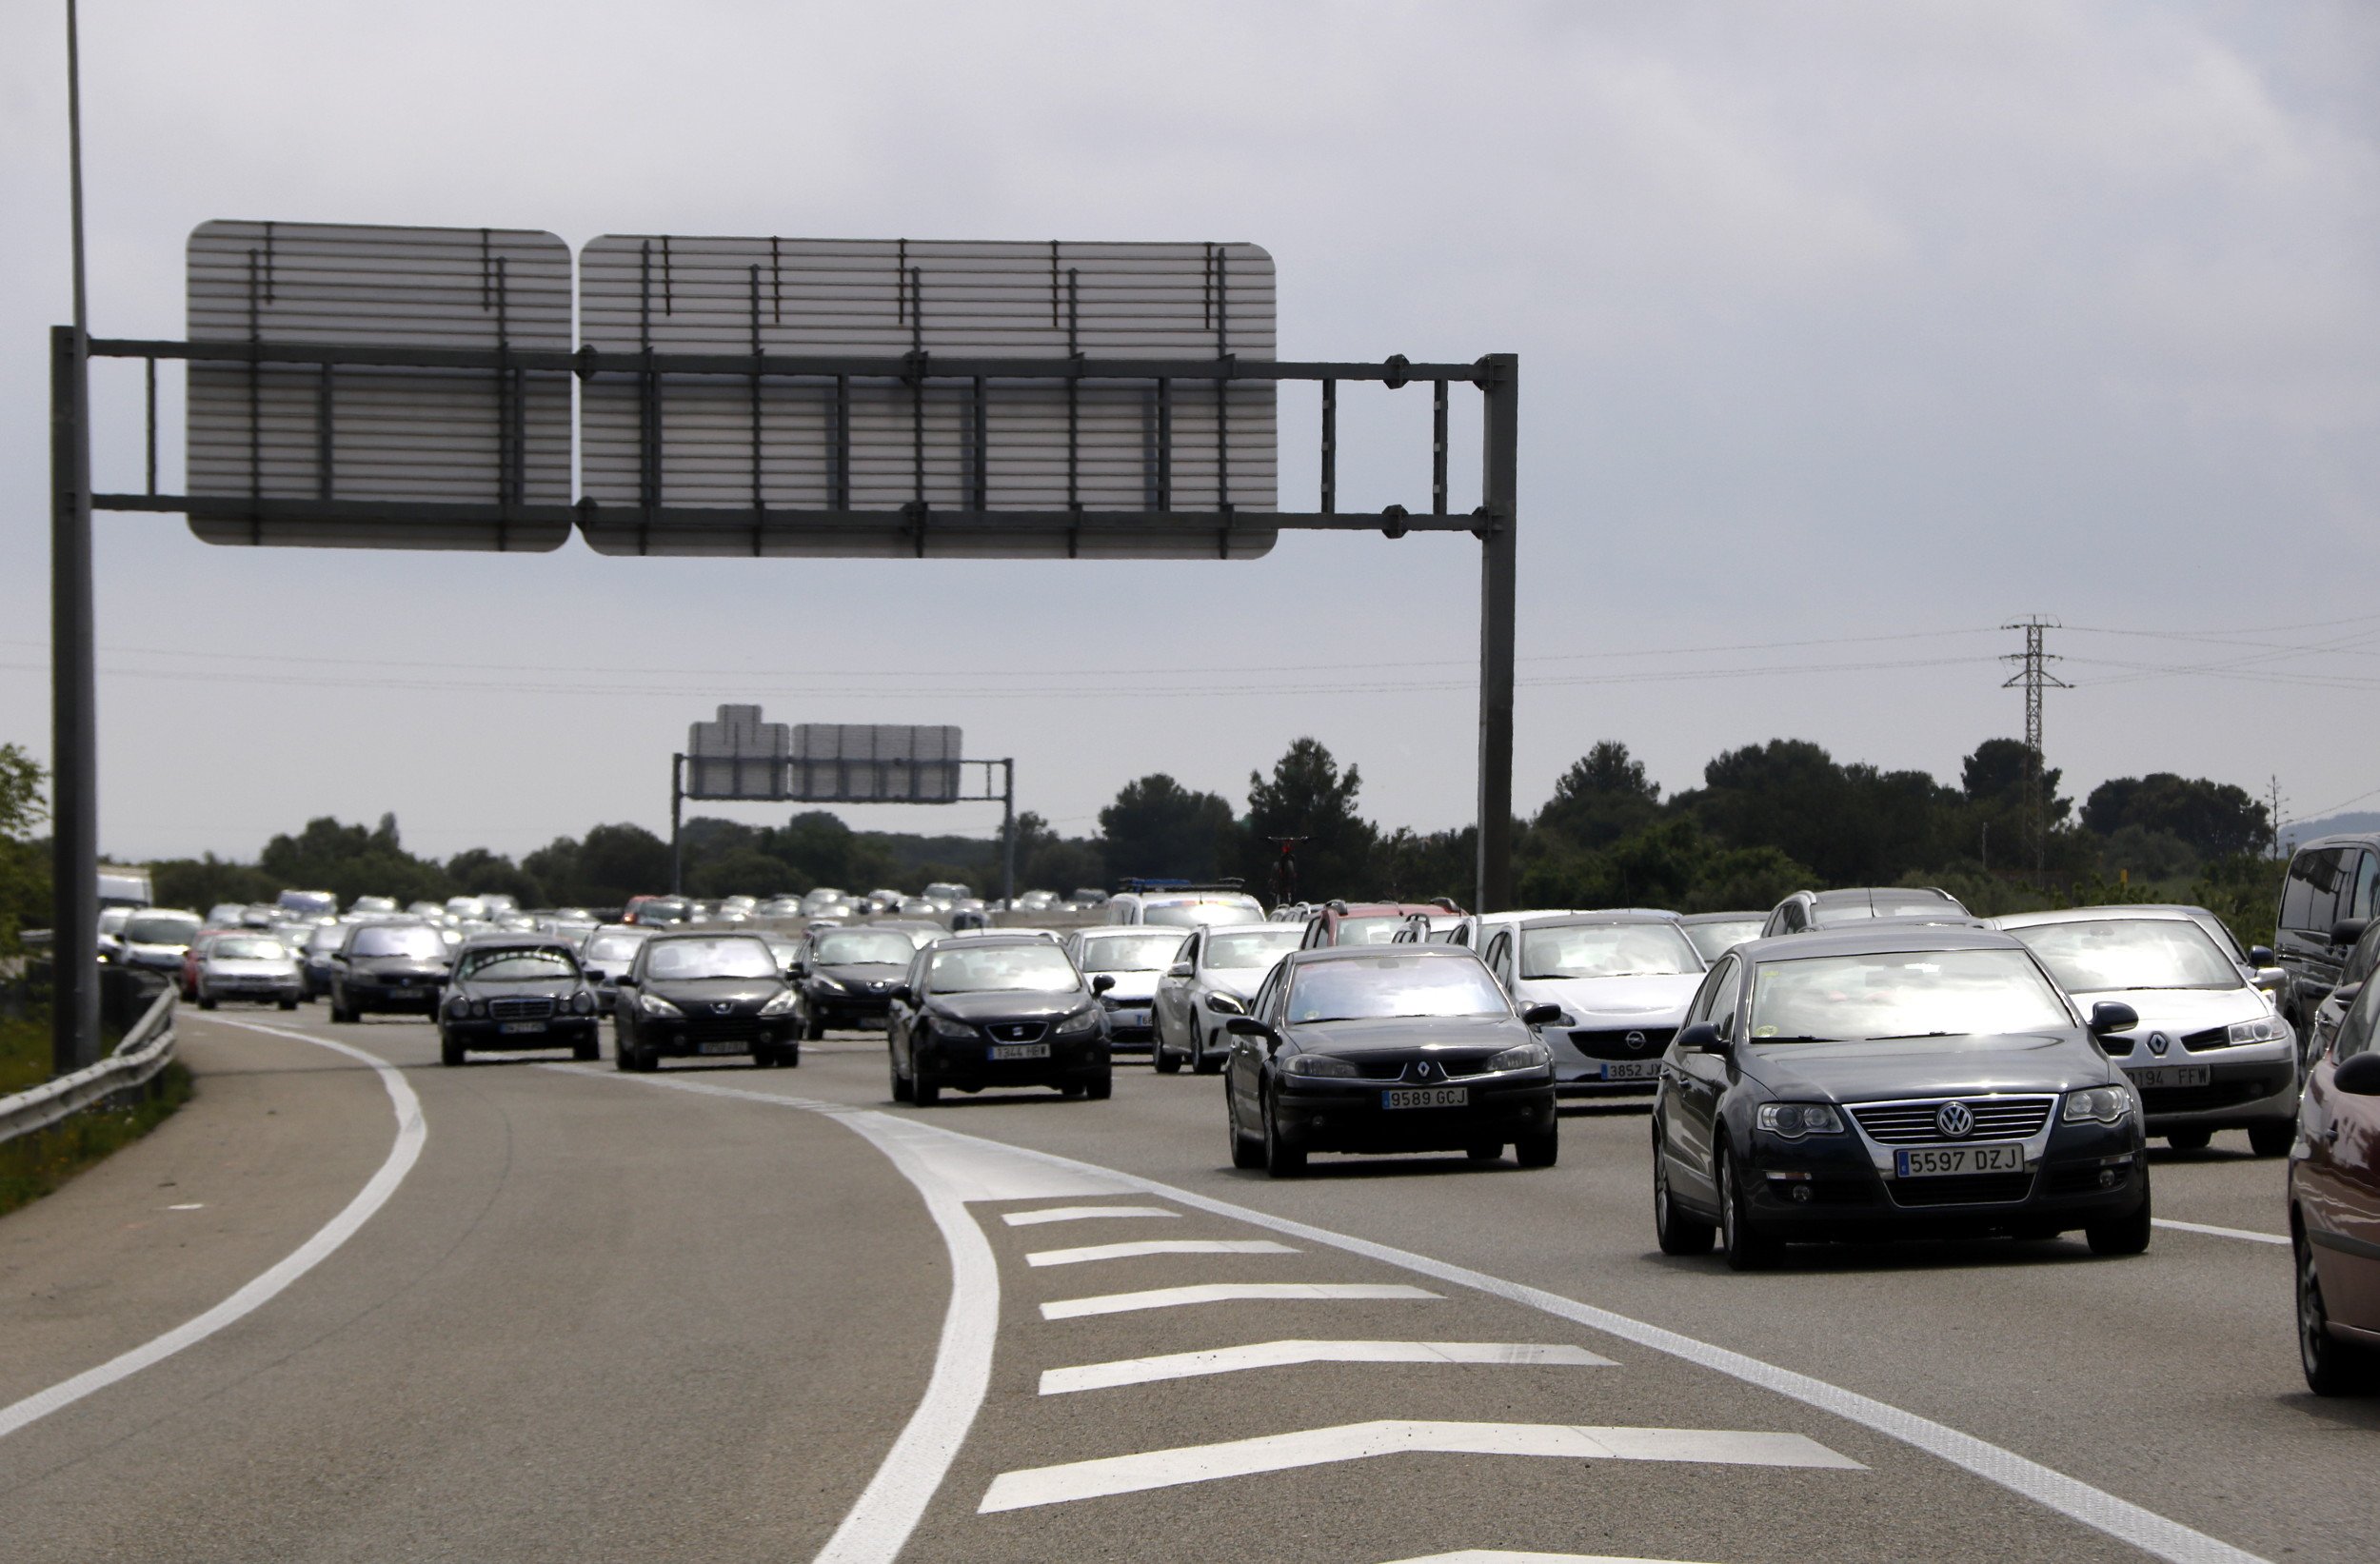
{"x":2210,"y":1052}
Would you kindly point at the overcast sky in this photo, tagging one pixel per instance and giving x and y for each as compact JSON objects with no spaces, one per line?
{"x":1849,"y":332}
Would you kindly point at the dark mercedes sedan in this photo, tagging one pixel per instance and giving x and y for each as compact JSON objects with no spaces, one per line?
{"x":847,"y":976}
{"x":697,"y":995}
{"x":387,"y":966}
{"x":1386,"y":1048}
{"x":1889,"y":1082}
{"x":517,"y":991}
{"x":997,"y":1010}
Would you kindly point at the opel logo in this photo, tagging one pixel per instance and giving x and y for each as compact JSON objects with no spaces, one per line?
{"x":2157,"y":1044}
{"x":1955,"y":1119}
{"x":1636,"y":1041}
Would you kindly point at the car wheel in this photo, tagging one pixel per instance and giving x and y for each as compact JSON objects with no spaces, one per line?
{"x":764,"y":1056}
{"x":790,"y":1055}
{"x":449,"y":1050}
{"x":2273,"y":1139}
{"x":923,"y":1089}
{"x":900,"y":1083}
{"x":1282,"y":1160}
{"x":1538,"y":1151}
{"x":339,"y":1011}
{"x":2123,"y":1235}
{"x":1102,"y":1088}
{"x":2332,"y":1367}
{"x":647,"y":1060}
{"x":813,"y":1030}
{"x":1486,"y":1151}
{"x":289,"y":1002}
{"x":1202,"y":1062}
{"x":206,"y":1000}
{"x":1246,"y":1153}
{"x":1746,"y":1247}
{"x":1161,"y":1059}
{"x":623,"y":1057}
{"x":586,"y":1049}
{"x":2189,"y":1140}
{"x":1678,"y":1232}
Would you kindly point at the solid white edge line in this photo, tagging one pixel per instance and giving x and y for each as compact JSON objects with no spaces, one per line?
{"x":2052,"y":1490}
{"x":1156,"y":1246}
{"x":2241,"y":1233}
{"x":1504,"y":1555}
{"x":1081,"y":1213}
{"x":1228,"y":1292}
{"x":411,"y":1131}
{"x":1281,"y":1354}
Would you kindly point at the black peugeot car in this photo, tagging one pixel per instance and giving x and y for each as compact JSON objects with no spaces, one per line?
{"x":848,"y":977}
{"x":996,"y":1010}
{"x":696,"y":994}
{"x":387,"y":966}
{"x":1879,"y":1081}
{"x":1386,"y":1048}
{"x":512,"y":991}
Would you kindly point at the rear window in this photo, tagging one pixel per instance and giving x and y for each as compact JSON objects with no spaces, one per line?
{"x":160,"y":928}
{"x":419,"y":942}
{"x":1369,"y":931}
{"x":1191,"y":913}
{"x":1131,"y":952}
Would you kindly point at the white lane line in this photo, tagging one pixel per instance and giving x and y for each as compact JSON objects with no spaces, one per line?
{"x":1081,"y":1213}
{"x":1276,"y":1355}
{"x":1505,"y":1555}
{"x":1110,"y":1474}
{"x":402,"y":1154}
{"x":2244,"y":1234}
{"x":1157,"y":1246}
{"x":1224,"y":1292}
{"x":2052,"y":1490}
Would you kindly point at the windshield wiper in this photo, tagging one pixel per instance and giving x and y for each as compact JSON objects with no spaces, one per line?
{"x":1904,"y":1037}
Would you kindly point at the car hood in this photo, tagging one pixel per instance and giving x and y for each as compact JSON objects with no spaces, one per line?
{"x":1866,"y":1072}
{"x":866,"y":975}
{"x":1411,"y":1034}
{"x":378,"y":965}
{"x":249,"y":966}
{"x":683,"y":991}
{"x":1661,"y":999}
{"x":1011,"y":1005}
{"x":2180,"y":1010}
{"x":1132,"y":987}
{"x":541,"y":987}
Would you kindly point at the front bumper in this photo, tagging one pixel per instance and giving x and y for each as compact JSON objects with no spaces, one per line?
{"x":2257,"y":1090}
{"x":1131,"y":1026}
{"x":1598,"y":1058}
{"x":1351,"y":1115}
{"x":487,"y":1036}
{"x":262,"y":991}
{"x":682,"y":1038}
{"x":966,"y":1066}
{"x":1830,"y":1188}
{"x":848,"y":1009}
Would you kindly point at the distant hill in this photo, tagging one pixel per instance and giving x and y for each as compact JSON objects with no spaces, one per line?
{"x":2306,"y":830}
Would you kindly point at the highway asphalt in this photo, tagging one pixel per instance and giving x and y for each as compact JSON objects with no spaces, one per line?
{"x":724,"y":1312}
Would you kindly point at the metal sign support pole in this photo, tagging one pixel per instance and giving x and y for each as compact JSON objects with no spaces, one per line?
{"x":1008,"y":838}
{"x":677,"y":810}
{"x":74,"y":727}
{"x":1499,"y":583}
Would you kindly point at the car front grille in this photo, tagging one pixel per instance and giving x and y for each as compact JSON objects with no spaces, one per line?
{"x":721,"y":1028}
{"x":1635,"y":1043}
{"x":1914,"y":1123}
{"x":1962,"y":1189}
{"x":527,"y":1008}
{"x":1016,"y":1031}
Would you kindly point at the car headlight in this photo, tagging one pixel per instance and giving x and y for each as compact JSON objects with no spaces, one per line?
{"x":781,"y":1004}
{"x":1794,"y":1119}
{"x":582,"y":1002}
{"x":458,"y":1005}
{"x":653,"y":1004}
{"x":1321,"y":1064}
{"x":1526,"y":1057}
{"x":1080,"y":1022}
{"x":943,"y":1027}
{"x":2097,"y":1104}
{"x":478,"y":1007}
{"x":2263,"y":1029}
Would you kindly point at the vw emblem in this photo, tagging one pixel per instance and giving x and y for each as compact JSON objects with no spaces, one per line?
{"x":1955,"y":1119}
{"x":2157,"y":1044}
{"x":1636,"y":1042}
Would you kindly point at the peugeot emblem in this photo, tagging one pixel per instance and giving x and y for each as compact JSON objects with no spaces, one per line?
{"x":2157,"y":1044}
{"x":1955,"y":1119}
{"x":719,"y":1007}
{"x":1636,"y":1041}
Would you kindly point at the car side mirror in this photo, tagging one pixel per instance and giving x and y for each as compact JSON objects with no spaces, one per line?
{"x":2109,"y":1015}
{"x":1701,"y":1038}
{"x":1248,"y":1026}
{"x":2358,"y":1076}
{"x":1223,"y":1004}
{"x":1542,"y":1015}
{"x":906,"y":994}
{"x":2346,"y":994}
{"x":2259,"y":955}
{"x":1101,"y":984}
{"x":2348,"y":930}
{"x":624,"y":981}
{"x":1179,"y":969}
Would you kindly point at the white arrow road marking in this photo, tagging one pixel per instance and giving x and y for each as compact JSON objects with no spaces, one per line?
{"x":1224,"y":1292}
{"x":2252,"y":1236}
{"x":1275,"y":1355}
{"x":1081,"y":1213}
{"x":1158,"y":1246}
{"x":1394,"y":1436}
{"x":1503,"y":1556}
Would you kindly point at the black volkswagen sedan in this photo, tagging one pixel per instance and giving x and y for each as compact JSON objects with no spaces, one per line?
{"x":696,"y":994}
{"x":847,"y":976}
{"x":997,"y":1010}
{"x":387,"y":966}
{"x":517,"y":991}
{"x":1386,"y":1048}
{"x":1883,"y":1081}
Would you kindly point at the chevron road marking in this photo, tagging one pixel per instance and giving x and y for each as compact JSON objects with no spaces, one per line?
{"x":1224,"y":1292}
{"x":1275,"y":1355}
{"x":1081,"y":1213}
{"x":1158,"y":1246}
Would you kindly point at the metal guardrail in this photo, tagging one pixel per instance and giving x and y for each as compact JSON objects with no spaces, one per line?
{"x":146,"y":1049}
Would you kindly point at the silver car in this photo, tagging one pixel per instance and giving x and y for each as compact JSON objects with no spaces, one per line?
{"x":2211,"y":1051}
{"x":248,"y":966}
{"x":608,"y":953}
{"x":1212,"y":980}
{"x":1621,"y":981}
{"x":1135,"y":957}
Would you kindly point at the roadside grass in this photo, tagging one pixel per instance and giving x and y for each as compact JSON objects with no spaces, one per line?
{"x":32,"y":1165}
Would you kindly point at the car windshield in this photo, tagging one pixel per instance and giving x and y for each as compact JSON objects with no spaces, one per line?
{"x":160,"y":928}
{"x":1716,"y":939}
{"x":1191,"y":915}
{"x":2089,"y":954}
{"x":1036,"y":968}
{"x":1383,"y":987}
{"x":1131,"y":952}
{"x":235,"y":949}
{"x":325,"y":937}
{"x":613,"y":947}
{"x":1376,"y":930}
{"x":864,"y":947}
{"x":516,"y":965}
{"x":1256,"y":948}
{"x":1607,"y":950}
{"x":415,"y":941}
{"x":731,"y":955}
{"x":1903,"y":993}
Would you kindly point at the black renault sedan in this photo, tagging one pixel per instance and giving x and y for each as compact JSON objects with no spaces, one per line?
{"x":512,"y":991}
{"x":847,"y":976}
{"x":1386,"y":1048}
{"x":996,"y":1010}
{"x":387,"y":966}
{"x":696,"y":994}
{"x":1879,"y":1081}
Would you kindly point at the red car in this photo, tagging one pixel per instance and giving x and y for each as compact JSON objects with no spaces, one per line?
{"x":1367,"y":922}
{"x":2335,"y":1208}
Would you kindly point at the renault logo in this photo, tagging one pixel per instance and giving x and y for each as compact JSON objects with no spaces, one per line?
{"x":1955,"y":1119}
{"x":1421,"y":1070}
{"x":2157,"y":1044}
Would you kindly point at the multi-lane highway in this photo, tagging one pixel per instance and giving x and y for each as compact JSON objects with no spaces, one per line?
{"x":350,"y":1304}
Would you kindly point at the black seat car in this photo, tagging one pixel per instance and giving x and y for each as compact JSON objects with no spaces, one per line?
{"x":387,"y":966}
{"x":512,"y":991}
{"x":2333,"y":884}
{"x":997,"y":1010}
{"x":847,"y":976}
{"x":696,"y":994}
{"x":1386,"y":1048}
{"x":1898,"y":1079}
